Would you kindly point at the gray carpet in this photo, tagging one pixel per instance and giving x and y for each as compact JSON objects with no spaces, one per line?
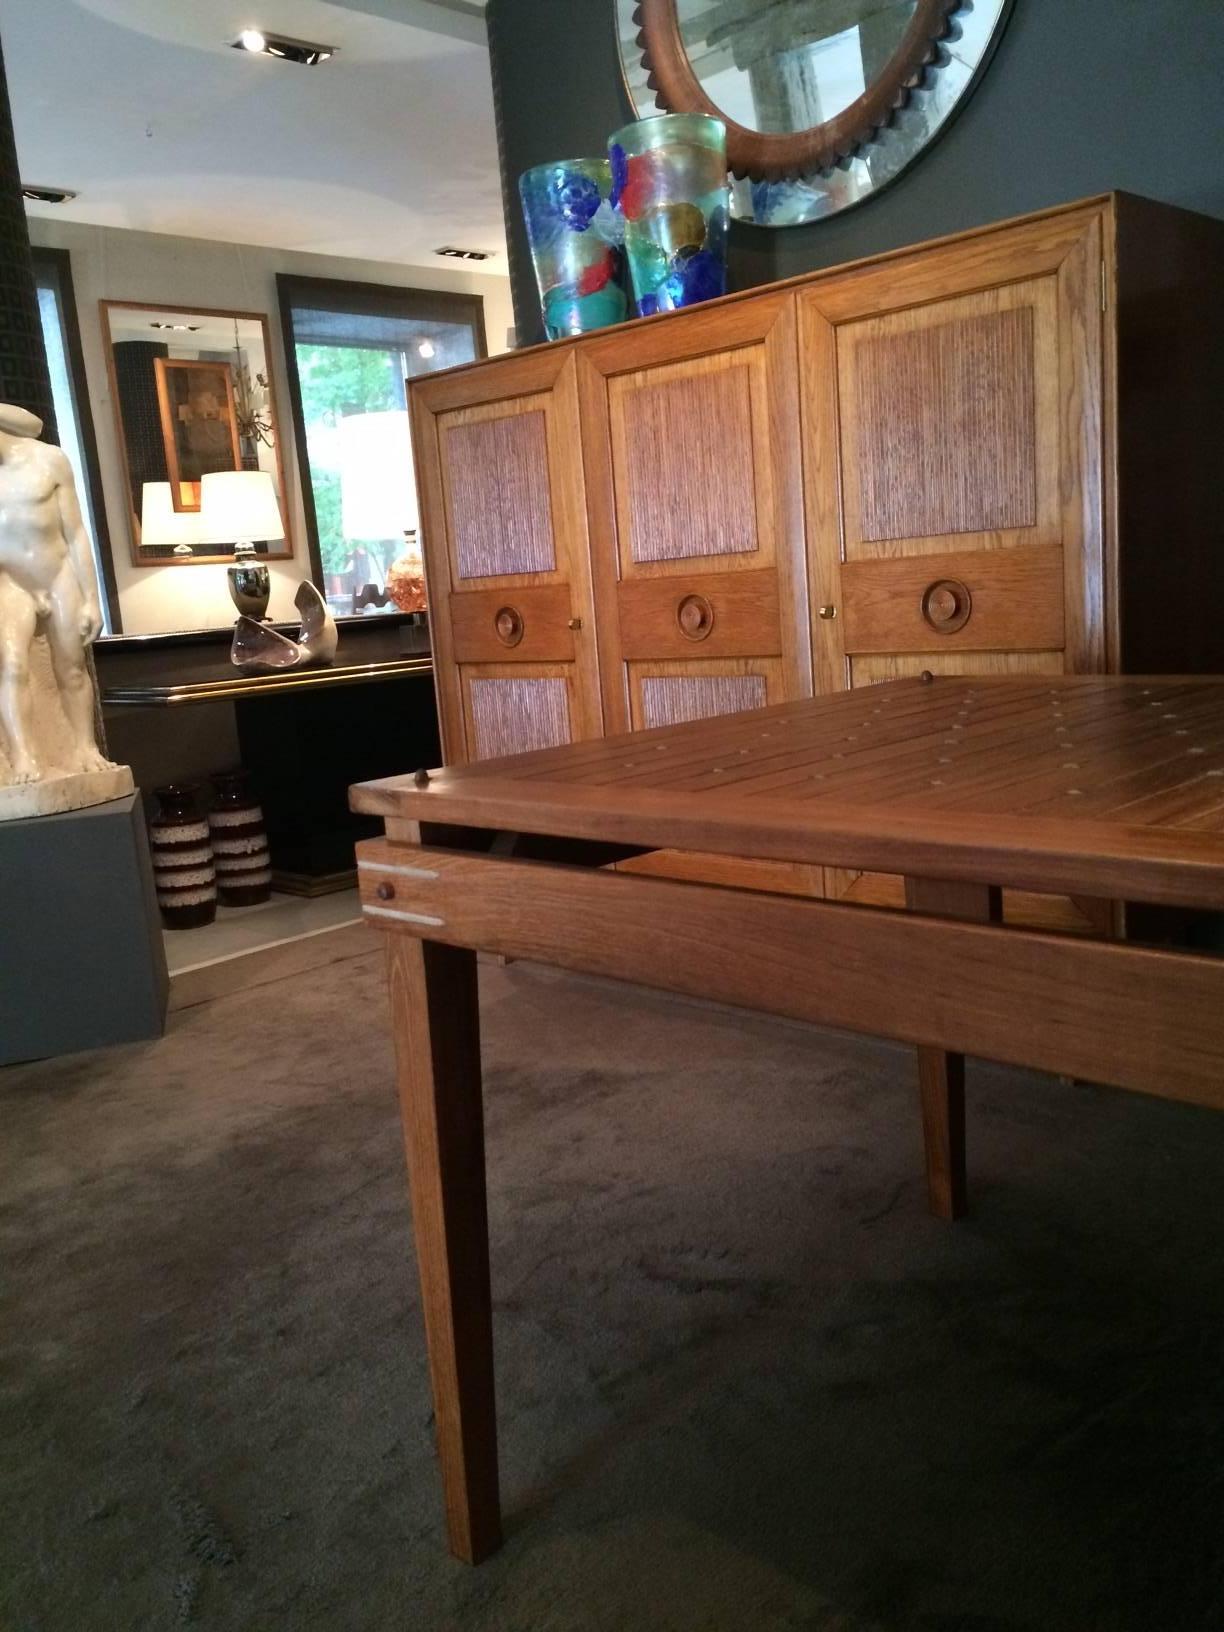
{"x":745,"y":1381}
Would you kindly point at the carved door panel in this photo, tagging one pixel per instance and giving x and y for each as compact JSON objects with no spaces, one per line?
{"x":952,"y":445}
{"x":503,"y":510}
{"x":695,"y":500}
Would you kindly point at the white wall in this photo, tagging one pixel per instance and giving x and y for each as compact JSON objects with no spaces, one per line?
{"x":109,"y":263}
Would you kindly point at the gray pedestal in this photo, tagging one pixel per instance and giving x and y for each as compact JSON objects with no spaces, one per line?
{"x":81,"y":955}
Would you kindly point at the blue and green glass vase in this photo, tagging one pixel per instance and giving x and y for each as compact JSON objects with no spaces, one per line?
{"x":669,"y":185}
{"x":576,"y":245}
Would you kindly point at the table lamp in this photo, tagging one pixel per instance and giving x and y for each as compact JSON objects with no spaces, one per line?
{"x":162,"y":526}
{"x":237,"y":507}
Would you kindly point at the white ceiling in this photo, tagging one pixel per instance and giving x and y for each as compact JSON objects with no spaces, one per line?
{"x":385,"y":152}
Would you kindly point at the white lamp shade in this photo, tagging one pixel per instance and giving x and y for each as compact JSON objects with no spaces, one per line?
{"x":161,"y":523}
{"x":237,"y":505}
{"x":377,"y":488}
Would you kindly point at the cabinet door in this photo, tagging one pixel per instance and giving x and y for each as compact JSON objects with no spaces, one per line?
{"x":504,"y":533}
{"x":695,"y":499}
{"x":952,"y":443}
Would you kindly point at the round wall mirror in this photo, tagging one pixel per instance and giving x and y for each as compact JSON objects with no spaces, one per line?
{"x":825,"y":101}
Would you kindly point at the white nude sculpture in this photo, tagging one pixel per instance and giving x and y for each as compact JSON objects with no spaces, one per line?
{"x":49,"y":615}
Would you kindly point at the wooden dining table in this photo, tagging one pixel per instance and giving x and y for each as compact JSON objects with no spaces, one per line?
{"x":1109,"y":790}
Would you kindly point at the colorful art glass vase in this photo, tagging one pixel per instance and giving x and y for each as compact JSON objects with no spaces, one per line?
{"x":576,"y":248}
{"x":669,"y":185}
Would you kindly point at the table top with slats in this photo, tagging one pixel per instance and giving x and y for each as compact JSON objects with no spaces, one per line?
{"x":1098,"y":785}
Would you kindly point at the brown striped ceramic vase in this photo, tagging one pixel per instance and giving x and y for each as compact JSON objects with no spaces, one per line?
{"x":240,"y":842}
{"x":182,"y":859}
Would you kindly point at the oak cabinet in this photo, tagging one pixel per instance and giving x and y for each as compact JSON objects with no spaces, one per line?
{"x":995,"y":453}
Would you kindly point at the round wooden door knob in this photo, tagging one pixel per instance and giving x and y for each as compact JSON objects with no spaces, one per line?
{"x":385,"y":891}
{"x":695,"y":617}
{"x":946,"y":605}
{"x":508,"y":625}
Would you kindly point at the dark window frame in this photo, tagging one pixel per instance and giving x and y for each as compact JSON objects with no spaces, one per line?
{"x":361,"y":299}
{"x":59,"y":262}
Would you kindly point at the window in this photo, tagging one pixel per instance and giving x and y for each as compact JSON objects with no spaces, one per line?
{"x":74,"y":424}
{"x":351,"y":349}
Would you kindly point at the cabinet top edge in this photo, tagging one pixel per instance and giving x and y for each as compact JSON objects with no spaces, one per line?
{"x":1096,"y":203}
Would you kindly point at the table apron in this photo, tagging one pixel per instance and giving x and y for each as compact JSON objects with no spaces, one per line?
{"x":1105,"y":1012}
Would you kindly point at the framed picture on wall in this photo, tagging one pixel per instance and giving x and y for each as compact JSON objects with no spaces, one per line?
{"x":198,"y":423}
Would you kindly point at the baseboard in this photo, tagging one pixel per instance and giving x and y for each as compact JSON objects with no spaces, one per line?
{"x":297,"y":956}
{"x":311,"y":884}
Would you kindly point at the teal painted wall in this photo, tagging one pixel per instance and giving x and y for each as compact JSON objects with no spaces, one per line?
{"x":1082,"y":96}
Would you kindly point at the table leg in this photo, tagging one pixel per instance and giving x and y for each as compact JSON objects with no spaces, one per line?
{"x":941,"y":1074}
{"x":435,"y":1022}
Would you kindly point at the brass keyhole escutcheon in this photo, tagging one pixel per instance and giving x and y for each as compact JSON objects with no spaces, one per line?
{"x":508,"y":625}
{"x":946,"y":605}
{"x":695,"y":617}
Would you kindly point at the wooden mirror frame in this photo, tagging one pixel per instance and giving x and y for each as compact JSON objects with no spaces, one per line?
{"x":285,"y":548}
{"x":766,"y":156}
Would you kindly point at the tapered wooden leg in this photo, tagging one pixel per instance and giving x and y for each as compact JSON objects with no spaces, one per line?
{"x":941,"y":1079}
{"x":941,"y":1075}
{"x":437,"y":1047}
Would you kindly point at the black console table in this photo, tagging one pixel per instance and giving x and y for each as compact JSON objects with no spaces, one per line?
{"x":229,"y":687}
{"x":304,"y":737}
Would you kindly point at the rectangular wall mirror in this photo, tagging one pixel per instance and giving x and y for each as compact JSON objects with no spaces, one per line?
{"x":193,"y":394}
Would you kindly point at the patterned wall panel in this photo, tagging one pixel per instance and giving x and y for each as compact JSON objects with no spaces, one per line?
{"x":673,"y":698}
{"x":688,"y":473}
{"x":945,"y":427}
{"x":24,"y":379}
{"x":513,"y":716}
{"x":497,"y":479}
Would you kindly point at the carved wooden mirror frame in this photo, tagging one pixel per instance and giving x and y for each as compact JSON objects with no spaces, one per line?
{"x":766,"y":156}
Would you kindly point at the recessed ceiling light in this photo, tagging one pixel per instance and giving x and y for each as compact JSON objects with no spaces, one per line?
{"x":464,"y":254}
{"x":47,"y":195}
{"x":280,"y":45}
{"x":426,"y":348}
